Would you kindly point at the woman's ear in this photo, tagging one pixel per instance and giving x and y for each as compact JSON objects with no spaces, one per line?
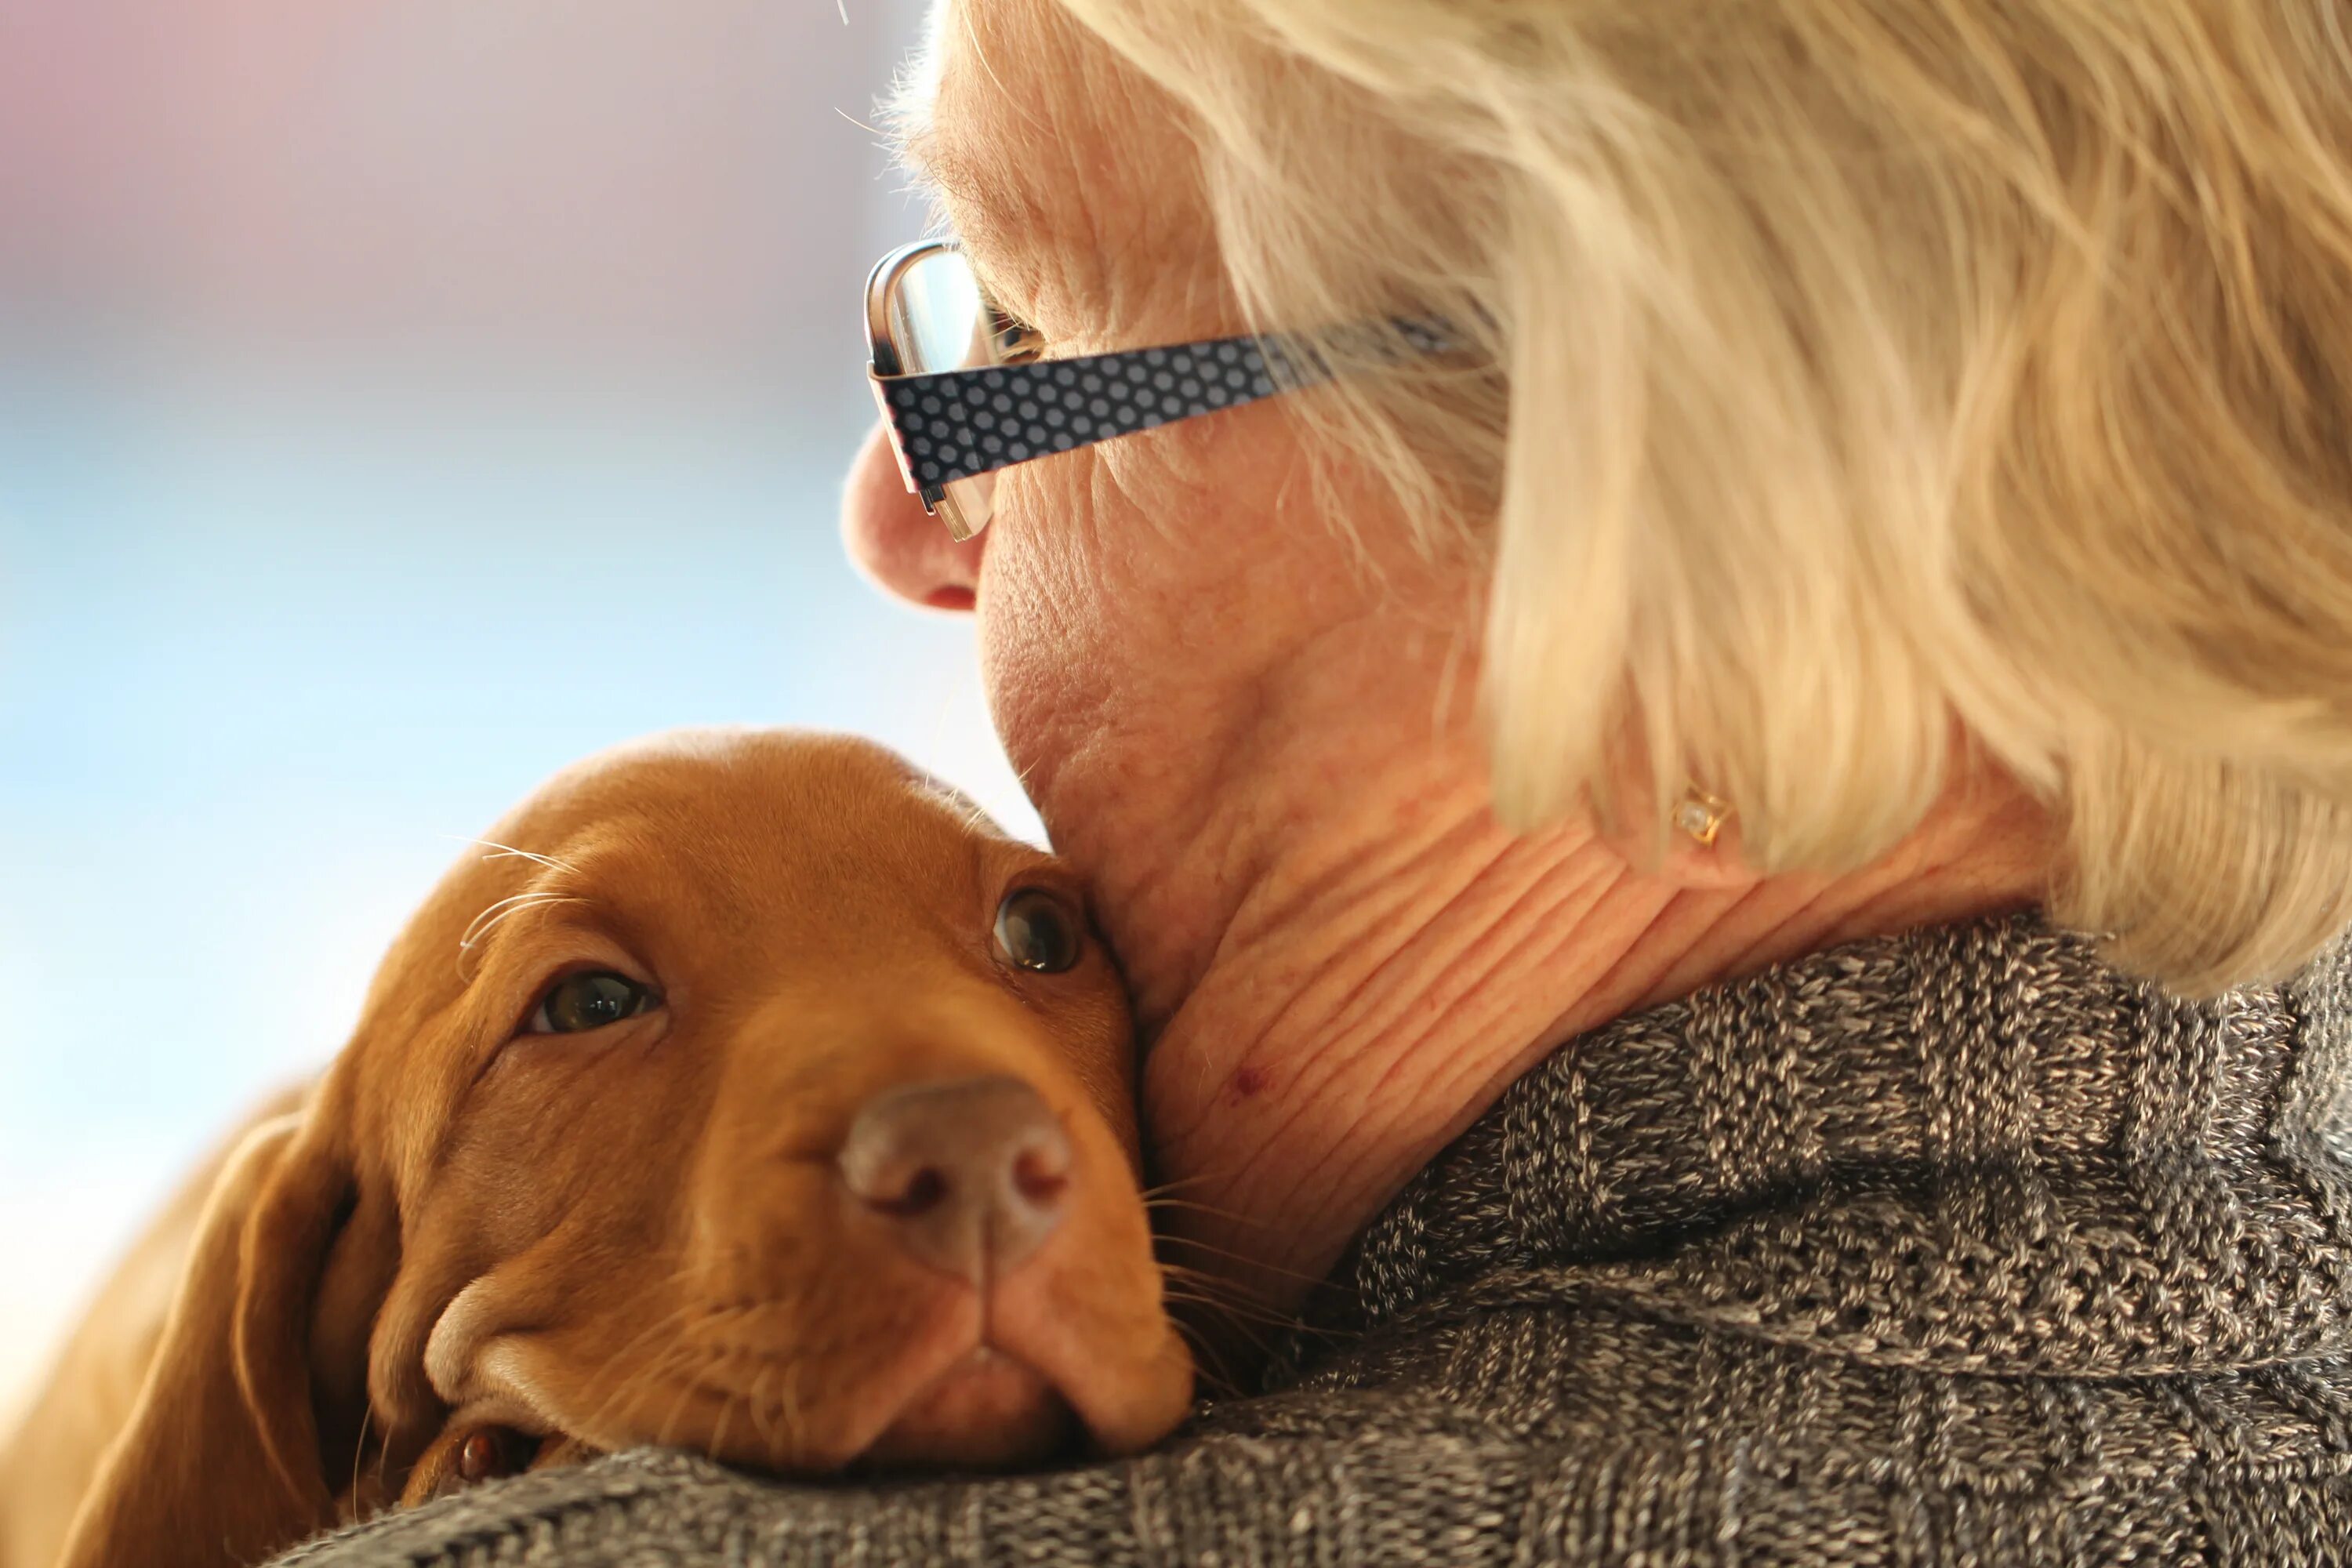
{"x":221,"y":1462}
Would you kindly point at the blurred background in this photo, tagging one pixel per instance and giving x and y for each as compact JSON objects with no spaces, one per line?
{"x":398,"y":399}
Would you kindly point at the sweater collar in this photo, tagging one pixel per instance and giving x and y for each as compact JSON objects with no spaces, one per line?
{"x":1974,"y":1148}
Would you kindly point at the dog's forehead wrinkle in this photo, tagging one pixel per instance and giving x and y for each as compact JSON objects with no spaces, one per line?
{"x":759,"y":804}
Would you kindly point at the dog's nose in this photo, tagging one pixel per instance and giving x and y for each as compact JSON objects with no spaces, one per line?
{"x":973,"y":1170}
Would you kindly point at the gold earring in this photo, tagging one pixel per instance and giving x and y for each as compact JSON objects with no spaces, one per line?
{"x":1700,"y":816}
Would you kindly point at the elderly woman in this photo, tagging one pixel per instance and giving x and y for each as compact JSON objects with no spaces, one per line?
{"x":1731,"y":535}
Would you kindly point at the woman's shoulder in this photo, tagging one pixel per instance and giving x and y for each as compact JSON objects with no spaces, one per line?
{"x":1532,"y":1434}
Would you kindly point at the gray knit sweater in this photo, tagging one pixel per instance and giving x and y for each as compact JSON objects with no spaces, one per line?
{"x":1951,"y":1248}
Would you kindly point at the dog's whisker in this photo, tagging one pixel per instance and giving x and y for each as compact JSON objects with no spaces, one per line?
{"x":975,"y":817}
{"x":669,"y":1327}
{"x":1230,"y":1307}
{"x":1238,"y":1311}
{"x":504,"y":850}
{"x":489,"y":918}
{"x":788,"y":1405}
{"x":1239,"y":1296}
{"x":1204,"y":1278}
{"x":759,"y":1412}
{"x":678,"y":1405}
{"x":1229,"y":1331}
{"x":527,"y":894}
{"x":1211,"y":1211}
{"x":719,"y":1432}
{"x":1205,"y":1352}
{"x":359,"y":1448}
{"x":1204,"y":1291}
{"x":617,"y":1361}
{"x":1177,"y":1184}
{"x":1196,"y":1298}
{"x":1186,"y":1206}
{"x":1314,"y":1282}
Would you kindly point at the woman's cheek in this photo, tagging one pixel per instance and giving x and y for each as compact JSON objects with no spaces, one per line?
{"x":1138,"y":592}
{"x":1055,"y":628}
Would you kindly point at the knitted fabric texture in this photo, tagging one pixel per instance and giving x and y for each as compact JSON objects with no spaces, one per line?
{"x":1955,"y":1248}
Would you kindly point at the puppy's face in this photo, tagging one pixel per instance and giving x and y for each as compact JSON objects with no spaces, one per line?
{"x":762,"y":1103}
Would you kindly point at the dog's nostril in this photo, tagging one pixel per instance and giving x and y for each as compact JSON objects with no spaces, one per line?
{"x":924,"y":1191}
{"x":974,"y":1172}
{"x":1040,"y":1176}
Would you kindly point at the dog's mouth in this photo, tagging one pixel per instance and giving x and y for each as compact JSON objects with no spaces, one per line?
{"x":1009,"y":1381}
{"x":1014,"y":1385}
{"x":986,"y":1409}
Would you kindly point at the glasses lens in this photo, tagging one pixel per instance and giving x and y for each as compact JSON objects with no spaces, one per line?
{"x":939,"y":318}
{"x":941,"y":323}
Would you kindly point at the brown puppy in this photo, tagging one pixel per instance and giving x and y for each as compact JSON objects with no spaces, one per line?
{"x":758,"y":1100}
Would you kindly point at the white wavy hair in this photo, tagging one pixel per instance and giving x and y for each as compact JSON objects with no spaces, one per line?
{"x":1871,"y":381}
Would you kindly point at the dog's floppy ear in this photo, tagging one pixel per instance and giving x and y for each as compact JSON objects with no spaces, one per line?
{"x":220,"y":1464}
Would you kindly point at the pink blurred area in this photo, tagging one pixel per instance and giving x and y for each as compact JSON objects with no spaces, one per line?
{"x":398,"y":400}
{"x":663,"y":184}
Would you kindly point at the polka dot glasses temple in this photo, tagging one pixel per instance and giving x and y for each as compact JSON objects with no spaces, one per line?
{"x":963,"y":399}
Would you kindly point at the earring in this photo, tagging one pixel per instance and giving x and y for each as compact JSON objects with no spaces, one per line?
{"x":1701,"y":816}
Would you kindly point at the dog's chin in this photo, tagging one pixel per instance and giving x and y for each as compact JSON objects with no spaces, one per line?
{"x":987,"y":1411}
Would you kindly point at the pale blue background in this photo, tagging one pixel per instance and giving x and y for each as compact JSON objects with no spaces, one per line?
{"x":308,"y":569}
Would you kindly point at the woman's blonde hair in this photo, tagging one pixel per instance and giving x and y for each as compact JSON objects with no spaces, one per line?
{"x":1864,"y":374}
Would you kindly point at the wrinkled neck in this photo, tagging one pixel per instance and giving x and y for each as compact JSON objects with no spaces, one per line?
{"x":1402,"y":958}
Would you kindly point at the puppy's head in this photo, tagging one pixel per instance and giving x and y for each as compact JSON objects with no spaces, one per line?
{"x":750,"y":1093}
{"x":759,"y":1098}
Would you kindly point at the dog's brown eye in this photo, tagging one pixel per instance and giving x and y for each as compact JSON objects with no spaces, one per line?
{"x":589,"y":1001}
{"x":1037,"y":930}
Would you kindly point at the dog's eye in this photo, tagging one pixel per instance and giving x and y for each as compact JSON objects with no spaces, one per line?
{"x":1037,"y":930}
{"x":589,"y":1001}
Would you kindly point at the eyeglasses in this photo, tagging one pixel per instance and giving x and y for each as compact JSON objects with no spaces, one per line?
{"x":964,"y":395}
